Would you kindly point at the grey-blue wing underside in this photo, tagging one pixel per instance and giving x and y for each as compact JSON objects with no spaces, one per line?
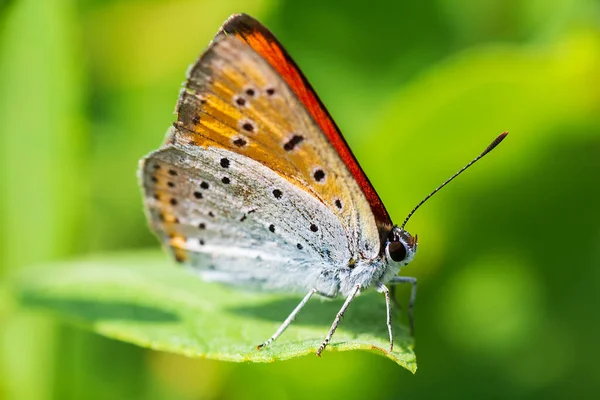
{"x":237,"y":222}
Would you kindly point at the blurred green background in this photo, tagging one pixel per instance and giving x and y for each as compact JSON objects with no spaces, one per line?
{"x":509,"y":260}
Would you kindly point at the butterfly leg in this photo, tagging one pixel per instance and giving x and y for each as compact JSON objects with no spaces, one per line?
{"x":288,"y":320}
{"x":338,"y":318}
{"x":394,"y":299}
{"x":381,"y":288}
{"x":413,"y":295}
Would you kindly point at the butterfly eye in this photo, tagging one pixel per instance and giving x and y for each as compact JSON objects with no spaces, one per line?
{"x":397,"y":251}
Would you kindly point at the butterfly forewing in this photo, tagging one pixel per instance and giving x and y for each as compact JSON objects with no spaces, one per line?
{"x":261,"y":40}
{"x":235,"y":100}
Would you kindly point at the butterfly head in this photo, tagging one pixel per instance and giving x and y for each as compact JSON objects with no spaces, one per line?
{"x":401,"y":246}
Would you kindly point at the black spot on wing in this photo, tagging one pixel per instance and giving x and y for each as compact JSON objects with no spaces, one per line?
{"x":240,"y":142}
{"x":319,"y":175}
{"x":293,"y":142}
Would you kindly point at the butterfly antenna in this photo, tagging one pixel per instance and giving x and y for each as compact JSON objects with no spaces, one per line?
{"x":491,"y":147}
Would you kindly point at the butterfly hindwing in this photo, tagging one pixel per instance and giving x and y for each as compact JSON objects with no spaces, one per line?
{"x":238,"y":222}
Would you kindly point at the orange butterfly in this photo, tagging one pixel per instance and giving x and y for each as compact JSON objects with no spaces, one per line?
{"x":256,"y":187}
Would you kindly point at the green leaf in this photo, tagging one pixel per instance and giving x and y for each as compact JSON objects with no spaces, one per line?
{"x":141,"y":299}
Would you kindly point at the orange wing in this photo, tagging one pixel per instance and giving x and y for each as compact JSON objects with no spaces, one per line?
{"x":264,"y":43}
{"x":234,"y":99}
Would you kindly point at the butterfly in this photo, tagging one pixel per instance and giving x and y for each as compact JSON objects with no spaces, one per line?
{"x":256,"y":187}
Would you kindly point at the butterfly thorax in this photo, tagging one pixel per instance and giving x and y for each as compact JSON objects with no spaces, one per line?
{"x":364,"y":273}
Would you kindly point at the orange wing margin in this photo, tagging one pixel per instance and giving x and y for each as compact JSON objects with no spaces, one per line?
{"x":264,"y":43}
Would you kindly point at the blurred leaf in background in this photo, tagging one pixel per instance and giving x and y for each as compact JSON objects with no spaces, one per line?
{"x":508,"y":254}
